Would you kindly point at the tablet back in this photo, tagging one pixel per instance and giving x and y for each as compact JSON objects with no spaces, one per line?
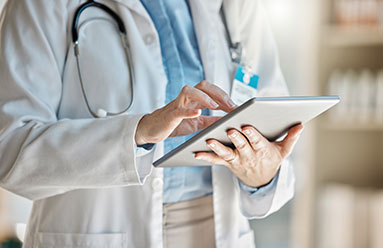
{"x":272,"y":116}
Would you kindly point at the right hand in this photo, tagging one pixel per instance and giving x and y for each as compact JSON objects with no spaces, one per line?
{"x":182,"y":116}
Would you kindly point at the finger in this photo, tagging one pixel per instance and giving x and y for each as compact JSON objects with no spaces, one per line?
{"x":257,"y":141}
{"x":218,"y":95}
{"x":190,"y":93}
{"x":224,"y":152}
{"x":205,"y":121}
{"x":239,"y":141}
{"x":189,"y":126}
{"x":211,"y":158}
{"x":288,"y":143}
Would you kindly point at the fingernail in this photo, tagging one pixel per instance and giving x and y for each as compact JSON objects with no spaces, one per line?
{"x":214,"y":104}
{"x":231,"y":103}
{"x":234,"y":134}
{"x":211,"y":145}
{"x":199,"y":158}
{"x":247,"y":131}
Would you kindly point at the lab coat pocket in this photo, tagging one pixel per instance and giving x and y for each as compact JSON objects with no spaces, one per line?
{"x":76,"y":240}
{"x":246,"y":240}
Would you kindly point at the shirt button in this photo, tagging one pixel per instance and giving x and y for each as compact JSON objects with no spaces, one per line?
{"x":157,"y":184}
{"x":148,"y":39}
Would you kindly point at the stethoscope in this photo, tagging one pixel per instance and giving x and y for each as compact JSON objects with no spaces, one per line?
{"x":124,"y":38}
{"x":235,"y":53}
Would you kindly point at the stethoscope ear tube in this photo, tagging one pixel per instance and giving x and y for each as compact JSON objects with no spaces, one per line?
{"x":92,"y":3}
{"x":235,"y":48}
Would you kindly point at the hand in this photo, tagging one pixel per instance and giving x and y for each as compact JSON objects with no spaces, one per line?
{"x":183,"y":115}
{"x":255,"y":160}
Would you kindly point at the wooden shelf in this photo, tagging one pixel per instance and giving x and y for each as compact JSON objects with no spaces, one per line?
{"x":353,"y":36}
{"x":356,"y":183}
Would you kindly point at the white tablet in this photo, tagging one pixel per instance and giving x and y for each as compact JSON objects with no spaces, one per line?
{"x":271,"y":116}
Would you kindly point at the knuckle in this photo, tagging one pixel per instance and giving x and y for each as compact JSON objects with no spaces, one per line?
{"x":241,"y":146}
{"x":261,"y":153}
{"x":255,"y":143}
{"x":204,"y":83}
{"x":186,"y":89}
{"x":256,"y":140}
{"x":227,"y":157}
{"x":226,"y":97}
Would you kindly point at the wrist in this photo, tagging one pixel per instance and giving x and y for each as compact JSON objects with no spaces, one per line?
{"x":139,"y":136}
{"x":262,"y":182}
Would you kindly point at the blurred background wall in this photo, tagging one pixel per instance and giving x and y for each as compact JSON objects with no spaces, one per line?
{"x":332,"y":47}
{"x":326,"y":47}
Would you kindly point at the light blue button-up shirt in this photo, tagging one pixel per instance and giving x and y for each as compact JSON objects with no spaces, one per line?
{"x":183,"y":66}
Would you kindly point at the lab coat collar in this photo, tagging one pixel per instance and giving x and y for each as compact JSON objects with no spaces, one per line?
{"x":212,"y":5}
{"x":134,"y":5}
{"x":202,"y":12}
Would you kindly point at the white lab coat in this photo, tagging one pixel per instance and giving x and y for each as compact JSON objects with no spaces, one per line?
{"x":81,"y":172}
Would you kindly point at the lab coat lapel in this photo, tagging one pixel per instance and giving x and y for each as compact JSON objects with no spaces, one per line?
{"x":134,"y":5}
{"x":204,"y":27}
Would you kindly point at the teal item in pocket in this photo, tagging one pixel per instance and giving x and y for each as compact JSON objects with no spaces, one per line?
{"x":245,"y":76}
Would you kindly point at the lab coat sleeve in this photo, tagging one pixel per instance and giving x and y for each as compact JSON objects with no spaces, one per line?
{"x":266,"y":201}
{"x":41,"y":156}
{"x":248,"y":24}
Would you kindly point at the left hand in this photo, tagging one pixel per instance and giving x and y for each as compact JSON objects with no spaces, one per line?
{"x":255,"y":160}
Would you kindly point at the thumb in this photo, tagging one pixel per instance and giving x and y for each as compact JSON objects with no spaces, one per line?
{"x":185,"y":113}
{"x":288,"y":143}
{"x":182,"y":113}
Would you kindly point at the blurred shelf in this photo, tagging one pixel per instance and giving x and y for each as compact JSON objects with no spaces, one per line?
{"x":353,"y":36}
{"x":351,"y":125}
{"x":361,"y":185}
{"x":362,"y":175}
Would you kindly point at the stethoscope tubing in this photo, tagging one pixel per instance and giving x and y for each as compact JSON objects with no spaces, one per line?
{"x":124,"y":39}
{"x":103,"y":7}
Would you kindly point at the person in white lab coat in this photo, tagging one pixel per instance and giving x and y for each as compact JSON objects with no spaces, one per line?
{"x":90,"y":184}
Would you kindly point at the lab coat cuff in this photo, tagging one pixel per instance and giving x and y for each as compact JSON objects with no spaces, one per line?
{"x":144,"y":149}
{"x":141,"y":151}
{"x":136,"y":167}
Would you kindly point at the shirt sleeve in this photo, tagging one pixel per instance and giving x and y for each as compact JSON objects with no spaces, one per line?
{"x":256,"y":192}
